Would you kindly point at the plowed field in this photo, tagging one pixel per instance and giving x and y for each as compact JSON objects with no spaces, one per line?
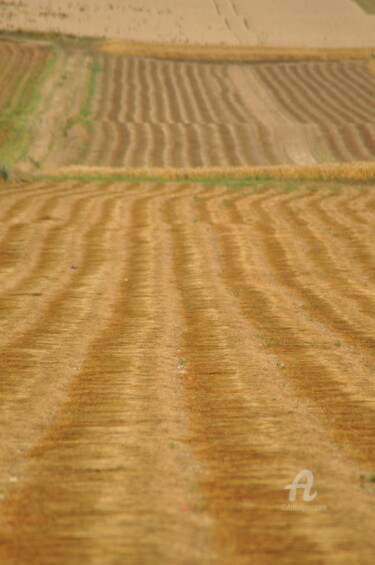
{"x":173,"y":355}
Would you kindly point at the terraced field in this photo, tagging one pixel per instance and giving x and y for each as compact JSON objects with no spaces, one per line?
{"x":173,"y":354}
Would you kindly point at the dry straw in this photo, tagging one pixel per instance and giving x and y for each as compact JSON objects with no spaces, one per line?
{"x":328,"y":171}
{"x":232,"y":53}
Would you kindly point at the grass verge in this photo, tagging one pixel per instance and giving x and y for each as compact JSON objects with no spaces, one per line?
{"x":94,"y":69}
{"x":18,"y":122}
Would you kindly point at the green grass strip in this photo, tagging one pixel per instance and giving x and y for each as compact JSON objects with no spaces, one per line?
{"x":94,"y":69}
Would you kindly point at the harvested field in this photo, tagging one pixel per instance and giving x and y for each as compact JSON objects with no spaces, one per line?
{"x":182,"y":351}
{"x":152,"y":113}
{"x":187,"y":284}
{"x":21,"y":69}
{"x":172,"y":114}
{"x":140,"y":112}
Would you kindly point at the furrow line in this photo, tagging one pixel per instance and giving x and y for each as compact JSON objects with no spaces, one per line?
{"x":48,"y":357}
{"x":21,"y":69}
{"x":362,"y":249}
{"x":130,"y":92}
{"x":50,"y":273}
{"x":123,"y":398}
{"x":232,"y":105}
{"x":105,"y":88}
{"x":165,"y":80}
{"x":144,"y":91}
{"x":310,"y":98}
{"x":224,"y":426}
{"x":33,"y":68}
{"x":117,"y":157}
{"x":204,"y":76}
{"x":288,"y":334}
{"x":190,"y":104}
{"x":68,"y":302}
{"x":234,"y":146}
{"x":336,"y":307}
{"x":361,"y":208}
{"x":116,"y":73}
{"x":341,"y":76}
{"x":283,"y":94}
{"x":359,"y":75}
{"x":15,"y":257}
{"x":178,"y":89}
{"x":158,"y":92}
{"x":331,"y":89}
{"x":237,"y":418}
{"x":335,"y":143}
{"x":10,"y":74}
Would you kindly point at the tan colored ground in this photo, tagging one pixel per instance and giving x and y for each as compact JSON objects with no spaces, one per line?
{"x":104,"y":110}
{"x":325,"y":23}
{"x":172,"y":356}
{"x":174,"y":353}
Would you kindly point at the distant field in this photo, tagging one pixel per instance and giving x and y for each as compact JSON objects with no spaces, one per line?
{"x":21,"y":72}
{"x":110,"y":110}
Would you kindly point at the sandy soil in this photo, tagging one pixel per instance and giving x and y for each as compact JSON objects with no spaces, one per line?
{"x":181,"y":353}
{"x":326,"y":23}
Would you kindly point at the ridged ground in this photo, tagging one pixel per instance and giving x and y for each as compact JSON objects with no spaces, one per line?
{"x":116,"y":111}
{"x":172,"y":356}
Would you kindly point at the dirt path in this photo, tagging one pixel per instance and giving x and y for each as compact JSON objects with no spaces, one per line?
{"x":172,"y":356}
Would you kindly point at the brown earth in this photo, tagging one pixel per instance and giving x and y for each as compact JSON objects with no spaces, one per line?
{"x":173,"y":354}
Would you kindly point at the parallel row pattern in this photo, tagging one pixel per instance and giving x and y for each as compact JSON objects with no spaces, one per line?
{"x":20,"y":67}
{"x":172,"y":355}
{"x":336,"y":96}
{"x":154,"y":113}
